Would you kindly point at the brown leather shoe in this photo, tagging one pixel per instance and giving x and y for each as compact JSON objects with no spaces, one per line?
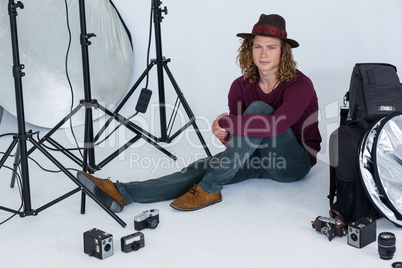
{"x":104,"y":190}
{"x":196,"y":198}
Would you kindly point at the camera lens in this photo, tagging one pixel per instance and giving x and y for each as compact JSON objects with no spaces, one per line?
{"x":136,"y":245}
{"x":353,"y":237}
{"x":108,"y":247}
{"x":386,"y":245}
{"x":152,"y":223}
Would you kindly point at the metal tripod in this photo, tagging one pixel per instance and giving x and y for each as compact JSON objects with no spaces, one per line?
{"x":161,"y":64}
{"x":21,"y":138}
{"x":88,"y":163}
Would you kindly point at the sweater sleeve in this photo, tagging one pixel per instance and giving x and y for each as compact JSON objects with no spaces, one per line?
{"x":296,"y":97}
{"x":236,"y":100}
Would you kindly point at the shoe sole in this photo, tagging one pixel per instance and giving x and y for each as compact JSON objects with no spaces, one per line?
{"x":101,"y":195}
{"x":193,"y":209}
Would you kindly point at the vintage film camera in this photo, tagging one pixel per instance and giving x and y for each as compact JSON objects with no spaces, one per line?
{"x":147,"y":219}
{"x":132,"y":242}
{"x":361,"y":232}
{"x":98,"y":243}
{"x":330,"y":227}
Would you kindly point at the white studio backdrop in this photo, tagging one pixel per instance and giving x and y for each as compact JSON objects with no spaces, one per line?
{"x":200,"y":38}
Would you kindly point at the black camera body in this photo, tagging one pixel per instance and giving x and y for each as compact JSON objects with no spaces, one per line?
{"x":132,"y":242}
{"x":362,"y":232}
{"x":147,"y":219}
{"x":98,"y":243}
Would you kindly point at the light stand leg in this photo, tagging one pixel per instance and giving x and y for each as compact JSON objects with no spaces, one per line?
{"x":15,"y":166}
{"x":161,"y":64}
{"x":18,"y":74}
{"x":89,"y":152}
{"x":88,"y":162}
{"x":159,"y":67}
{"x":22,"y":137}
{"x":187,"y":109}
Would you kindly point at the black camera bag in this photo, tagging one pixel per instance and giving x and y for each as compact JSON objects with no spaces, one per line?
{"x":375,"y":91}
{"x":346,"y":194}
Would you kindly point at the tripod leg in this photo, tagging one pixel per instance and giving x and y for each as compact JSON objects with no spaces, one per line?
{"x":76,"y":181}
{"x":186,"y":108}
{"x":8,"y":152}
{"x":128,"y":95}
{"x":59,"y":125}
{"x":126,"y":98}
{"x":89,"y":151}
{"x":16,"y":163}
{"x":26,"y":193}
{"x":83,"y":200}
{"x":130,"y":126}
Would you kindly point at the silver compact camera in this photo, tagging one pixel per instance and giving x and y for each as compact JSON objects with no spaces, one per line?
{"x":132,"y":242}
{"x":147,"y":219}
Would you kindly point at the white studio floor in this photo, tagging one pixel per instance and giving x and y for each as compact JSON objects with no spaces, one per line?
{"x":260,"y":223}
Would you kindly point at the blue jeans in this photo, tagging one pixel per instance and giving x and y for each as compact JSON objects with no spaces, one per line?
{"x":280,"y":158}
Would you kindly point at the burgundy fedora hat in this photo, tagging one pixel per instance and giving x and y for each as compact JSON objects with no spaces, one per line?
{"x":271,"y":25}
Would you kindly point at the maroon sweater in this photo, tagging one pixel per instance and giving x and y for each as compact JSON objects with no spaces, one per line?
{"x":295,"y":104}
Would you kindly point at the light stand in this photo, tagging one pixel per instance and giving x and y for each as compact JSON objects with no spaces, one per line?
{"x":21,"y":138}
{"x":161,"y":64}
{"x":88,"y":162}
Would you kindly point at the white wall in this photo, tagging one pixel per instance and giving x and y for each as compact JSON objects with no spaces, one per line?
{"x":200,"y":38}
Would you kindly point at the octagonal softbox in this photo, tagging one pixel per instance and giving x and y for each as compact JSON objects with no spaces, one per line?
{"x":380,"y":163}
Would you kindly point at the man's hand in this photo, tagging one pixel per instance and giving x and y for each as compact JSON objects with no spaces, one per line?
{"x":219,"y":132}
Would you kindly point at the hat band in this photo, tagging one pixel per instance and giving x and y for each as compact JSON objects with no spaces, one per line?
{"x":269,"y":30}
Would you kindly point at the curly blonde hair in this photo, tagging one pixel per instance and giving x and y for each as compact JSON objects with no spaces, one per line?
{"x":287,"y":65}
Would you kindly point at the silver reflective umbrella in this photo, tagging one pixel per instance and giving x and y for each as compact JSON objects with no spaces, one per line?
{"x":380,"y":163}
{"x":44,"y":40}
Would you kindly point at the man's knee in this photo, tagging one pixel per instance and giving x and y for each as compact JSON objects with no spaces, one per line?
{"x":259,"y":107}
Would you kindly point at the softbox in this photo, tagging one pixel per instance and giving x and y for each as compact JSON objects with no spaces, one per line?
{"x":380,"y":163}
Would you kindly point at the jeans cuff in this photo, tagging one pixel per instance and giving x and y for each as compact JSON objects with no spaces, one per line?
{"x":124,"y":193}
{"x":207,"y":188}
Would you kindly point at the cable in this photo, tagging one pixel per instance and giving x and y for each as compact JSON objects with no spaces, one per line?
{"x":149,"y":42}
{"x":7,"y":134}
{"x":147,"y":77}
{"x":19,"y":183}
{"x":37,"y":163}
{"x":18,"y":180}
{"x":72,"y":91}
{"x":68,"y":78}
